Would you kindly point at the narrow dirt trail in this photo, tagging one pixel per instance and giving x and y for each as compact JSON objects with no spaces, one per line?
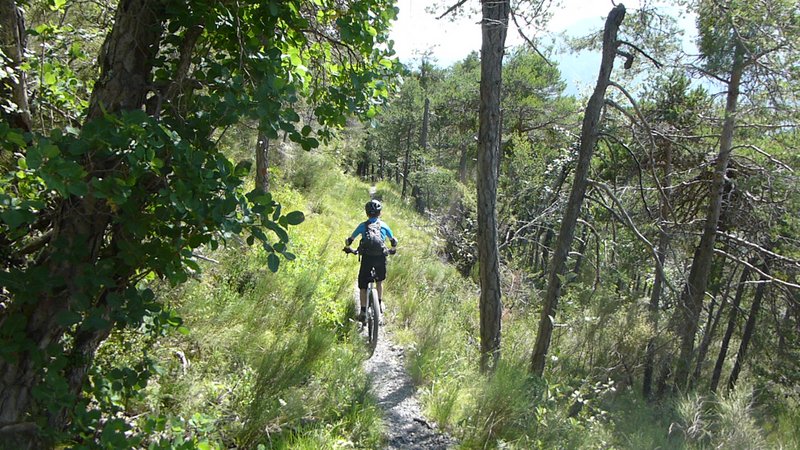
{"x":405,"y":426}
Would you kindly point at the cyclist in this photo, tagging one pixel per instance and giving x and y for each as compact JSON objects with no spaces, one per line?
{"x":373,"y":251}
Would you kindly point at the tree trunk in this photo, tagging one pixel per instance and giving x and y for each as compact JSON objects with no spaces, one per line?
{"x":589,"y":132}
{"x":691,"y":302}
{"x":726,"y":338}
{"x":12,"y":44}
{"x":462,"y":165}
{"x":655,"y":310}
{"x":581,"y":250}
{"x":381,"y":165}
{"x":546,"y":240}
{"x":711,"y":329}
{"x":494,"y":28}
{"x":406,"y":164}
{"x":262,"y":162}
{"x":426,"y":117}
{"x":126,"y":60}
{"x":749,"y":330}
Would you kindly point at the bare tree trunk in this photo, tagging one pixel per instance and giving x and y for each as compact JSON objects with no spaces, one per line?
{"x":749,"y":330}
{"x":589,"y":132}
{"x":726,"y":338}
{"x":12,"y":45}
{"x":262,"y":162}
{"x":494,"y":28}
{"x":691,"y":302}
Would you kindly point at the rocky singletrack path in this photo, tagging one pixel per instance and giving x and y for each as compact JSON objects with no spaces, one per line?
{"x":405,"y":425}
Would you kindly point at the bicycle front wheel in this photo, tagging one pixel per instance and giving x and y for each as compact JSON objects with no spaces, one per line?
{"x":373,"y":320}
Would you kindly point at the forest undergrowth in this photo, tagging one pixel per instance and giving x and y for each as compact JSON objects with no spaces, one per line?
{"x":273,"y":360}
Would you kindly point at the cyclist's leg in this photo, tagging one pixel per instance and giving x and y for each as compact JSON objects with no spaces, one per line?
{"x":380,"y":275}
{"x":363,"y":280}
{"x":362,"y":296}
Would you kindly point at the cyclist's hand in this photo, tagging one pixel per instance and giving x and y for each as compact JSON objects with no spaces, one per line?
{"x":348,"y":250}
{"x":392,"y":251}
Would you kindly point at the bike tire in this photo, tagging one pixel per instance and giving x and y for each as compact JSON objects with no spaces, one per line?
{"x":373,"y":320}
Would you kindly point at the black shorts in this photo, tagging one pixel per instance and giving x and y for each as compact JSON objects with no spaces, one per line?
{"x":367,"y":263}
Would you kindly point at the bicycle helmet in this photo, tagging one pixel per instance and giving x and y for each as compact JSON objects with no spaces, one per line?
{"x":373,"y":208}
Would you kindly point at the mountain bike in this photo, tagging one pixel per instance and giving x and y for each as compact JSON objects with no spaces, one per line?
{"x":372,"y":320}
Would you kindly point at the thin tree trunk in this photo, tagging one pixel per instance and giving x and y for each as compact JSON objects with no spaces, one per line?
{"x":462,"y":164}
{"x":581,"y":251}
{"x":691,"y":302}
{"x":494,"y":28}
{"x":262,"y":162}
{"x":589,"y":132}
{"x":749,"y":330}
{"x":381,"y":165}
{"x":726,"y":338}
{"x":426,"y":115}
{"x":654,"y":309}
{"x":406,"y":164}
{"x":547,"y":240}
{"x":711,"y":329}
{"x":12,"y":44}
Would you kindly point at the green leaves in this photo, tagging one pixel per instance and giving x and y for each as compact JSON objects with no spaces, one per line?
{"x":273,"y":262}
{"x":295,"y":218}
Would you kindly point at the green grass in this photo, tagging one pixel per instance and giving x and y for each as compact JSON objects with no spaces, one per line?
{"x":273,"y":360}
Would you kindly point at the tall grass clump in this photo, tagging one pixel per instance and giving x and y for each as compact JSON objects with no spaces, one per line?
{"x":736,"y":426}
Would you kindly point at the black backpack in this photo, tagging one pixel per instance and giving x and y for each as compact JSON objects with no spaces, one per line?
{"x":372,"y":240}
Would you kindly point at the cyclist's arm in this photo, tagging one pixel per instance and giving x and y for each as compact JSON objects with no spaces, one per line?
{"x":390,"y":235}
{"x":349,"y":241}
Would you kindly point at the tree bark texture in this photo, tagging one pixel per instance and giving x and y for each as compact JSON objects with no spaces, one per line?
{"x":589,"y":133}
{"x":494,"y":28}
{"x":126,"y":57}
{"x":693,"y":293}
{"x":82,"y":225}
{"x":12,"y":47}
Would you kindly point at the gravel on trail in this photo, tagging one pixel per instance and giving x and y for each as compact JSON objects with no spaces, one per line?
{"x":404,"y":425}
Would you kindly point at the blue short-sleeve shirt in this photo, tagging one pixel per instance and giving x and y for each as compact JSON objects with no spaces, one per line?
{"x":386,"y":232}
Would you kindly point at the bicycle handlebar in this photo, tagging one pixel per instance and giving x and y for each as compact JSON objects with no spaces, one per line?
{"x":392,"y":250}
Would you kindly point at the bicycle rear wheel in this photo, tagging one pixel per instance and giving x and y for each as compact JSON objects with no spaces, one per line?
{"x":373,"y":320}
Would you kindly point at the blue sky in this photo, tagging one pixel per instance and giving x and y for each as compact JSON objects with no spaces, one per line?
{"x":417,"y":30}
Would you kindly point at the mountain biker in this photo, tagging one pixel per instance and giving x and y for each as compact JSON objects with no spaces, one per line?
{"x":373,"y":251}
